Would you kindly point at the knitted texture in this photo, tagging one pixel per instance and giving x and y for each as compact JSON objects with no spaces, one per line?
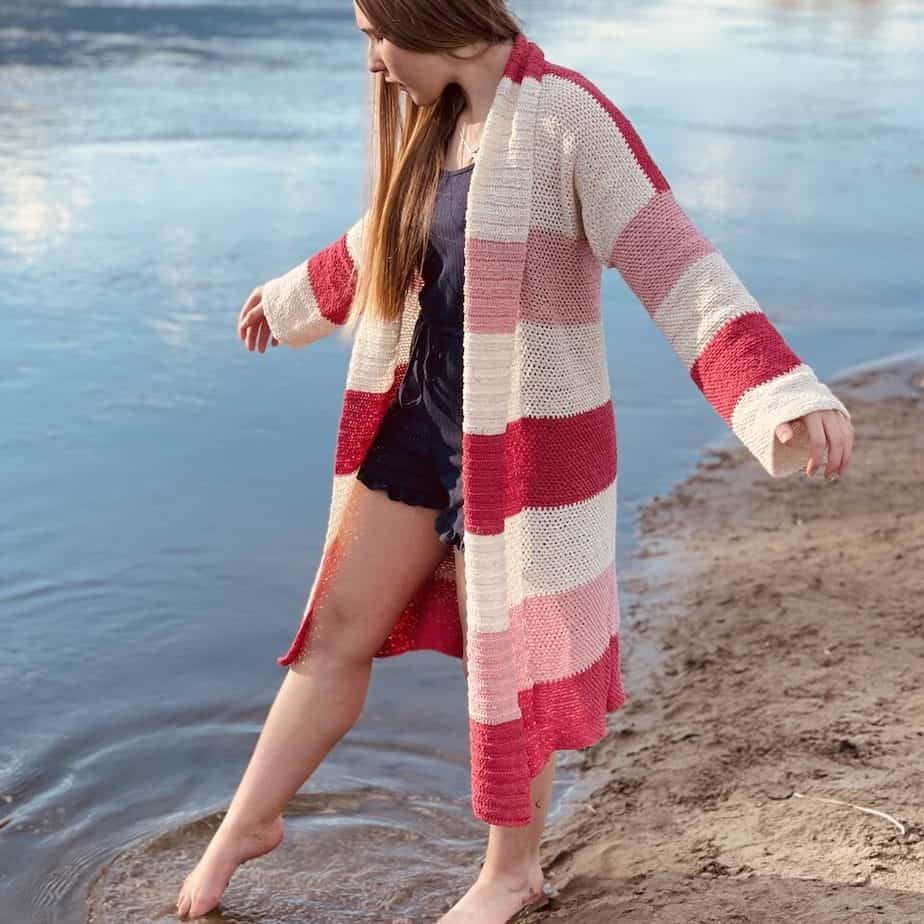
{"x":563,"y":187}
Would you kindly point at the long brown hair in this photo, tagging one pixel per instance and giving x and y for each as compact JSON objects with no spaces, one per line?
{"x":406,"y":150}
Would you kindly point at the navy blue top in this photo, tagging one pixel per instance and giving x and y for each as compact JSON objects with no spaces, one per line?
{"x":434,"y":375}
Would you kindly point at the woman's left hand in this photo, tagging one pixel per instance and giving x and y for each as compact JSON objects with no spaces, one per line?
{"x":825,"y":428}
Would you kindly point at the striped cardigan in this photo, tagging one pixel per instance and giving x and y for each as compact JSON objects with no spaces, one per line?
{"x":562,"y":188}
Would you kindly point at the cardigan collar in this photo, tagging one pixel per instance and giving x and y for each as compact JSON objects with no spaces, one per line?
{"x":497,"y":215}
{"x":525,"y":58}
{"x":507,"y":137}
{"x":497,"y":223}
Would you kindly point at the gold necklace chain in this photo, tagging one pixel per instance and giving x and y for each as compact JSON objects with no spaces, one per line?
{"x":471,"y":152}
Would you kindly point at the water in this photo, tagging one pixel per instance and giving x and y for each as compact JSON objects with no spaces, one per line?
{"x":166,"y":491}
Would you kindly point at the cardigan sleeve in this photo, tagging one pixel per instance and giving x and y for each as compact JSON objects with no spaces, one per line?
{"x":734,"y":355}
{"x":312,"y":299}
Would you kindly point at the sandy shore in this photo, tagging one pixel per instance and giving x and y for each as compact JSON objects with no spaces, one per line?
{"x":791,"y":614}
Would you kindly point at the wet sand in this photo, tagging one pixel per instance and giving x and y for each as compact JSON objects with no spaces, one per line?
{"x":791,"y":616}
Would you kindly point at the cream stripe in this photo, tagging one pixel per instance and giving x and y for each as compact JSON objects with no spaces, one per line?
{"x":562,"y":548}
{"x":606,"y":171}
{"x":369,"y":369}
{"x":492,"y":213}
{"x":554,"y":371}
{"x":354,"y":240}
{"x":486,"y":375}
{"x":568,"y":546}
{"x":485,"y":579}
{"x":558,"y":371}
{"x":707,"y":296}
{"x":291,"y":309}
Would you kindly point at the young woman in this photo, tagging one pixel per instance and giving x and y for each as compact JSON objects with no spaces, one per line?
{"x":473,"y":498}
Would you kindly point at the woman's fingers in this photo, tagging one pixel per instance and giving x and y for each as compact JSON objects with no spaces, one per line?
{"x":258,"y":334}
{"x":847,"y":430}
{"x":253,"y":328}
{"x":836,"y":442}
{"x":817,"y":441}
{"x":250,"y":311}
{"x":252,"y":332}
{"x":829,"y":430}
{"x":252,"y":300}
{"x":263,"y":336}
{"x":251,"y":317}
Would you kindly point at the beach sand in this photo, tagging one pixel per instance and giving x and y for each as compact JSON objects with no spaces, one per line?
{"x":790,"y":614}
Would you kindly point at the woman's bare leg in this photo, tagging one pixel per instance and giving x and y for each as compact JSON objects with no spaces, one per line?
{"x":513,"y":853}
{"x":511,"y":874}
{"x":388,"y":549}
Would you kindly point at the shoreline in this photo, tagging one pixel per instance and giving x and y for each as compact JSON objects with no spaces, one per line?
{"x":778,"y":629}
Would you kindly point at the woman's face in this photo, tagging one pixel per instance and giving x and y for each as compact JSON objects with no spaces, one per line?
{"x":420,"y":74}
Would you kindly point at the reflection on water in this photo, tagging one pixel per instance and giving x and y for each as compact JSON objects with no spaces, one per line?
{"x":168,"y":490}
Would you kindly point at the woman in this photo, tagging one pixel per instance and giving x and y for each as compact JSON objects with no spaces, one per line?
{"x":511,"y":567}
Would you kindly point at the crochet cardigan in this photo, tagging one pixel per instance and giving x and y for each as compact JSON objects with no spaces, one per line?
{"x":563,"y":187}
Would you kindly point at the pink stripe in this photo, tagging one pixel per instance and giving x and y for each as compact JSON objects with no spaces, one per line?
{"x":746,"y":352}
{"x":567,"y":625}
{"x":560,"y":285}
{"x":491,"y":291}
{"x":333,"y":280}
{"x":655,"y":177}
{"x":564,"y":714}
{"x":656,"y":248}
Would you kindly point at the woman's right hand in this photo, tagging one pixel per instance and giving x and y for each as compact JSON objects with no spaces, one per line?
{"x":252,"y":326}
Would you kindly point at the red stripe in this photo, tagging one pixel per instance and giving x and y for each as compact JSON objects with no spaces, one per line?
{"x":746,"y":352}
{"x":544,"y":462}
{"x":360,"y":417}
{"x":554,"y":461}
{"x":333,"y":280}
{"x":483,"y":483}
{"x":520,"y":63}
{"x":637,"y":146}
{"x":559,"y":715}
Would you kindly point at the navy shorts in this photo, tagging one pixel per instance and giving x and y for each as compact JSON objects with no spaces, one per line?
{"x":416,"y":456}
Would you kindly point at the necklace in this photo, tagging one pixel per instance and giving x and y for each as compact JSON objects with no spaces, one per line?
{"x":471,"y":151}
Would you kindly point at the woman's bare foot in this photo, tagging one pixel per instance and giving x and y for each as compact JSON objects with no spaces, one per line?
{"x":230,"y":846}
{"x":495,"y":899}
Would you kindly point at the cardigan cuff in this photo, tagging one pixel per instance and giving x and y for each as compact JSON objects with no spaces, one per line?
{"x":782,"y":399}
{"x":291,"y":309}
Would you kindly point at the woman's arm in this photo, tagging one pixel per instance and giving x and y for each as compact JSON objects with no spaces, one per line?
{"x":314,"y":298}
{"x":736,"y":357}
